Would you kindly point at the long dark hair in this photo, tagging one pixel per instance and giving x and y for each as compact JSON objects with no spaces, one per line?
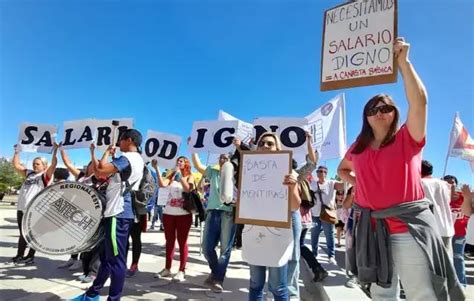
{"x":366,"y":135}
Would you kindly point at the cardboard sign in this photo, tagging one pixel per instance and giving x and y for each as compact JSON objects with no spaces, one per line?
{"x":37,"y":137}
{"x":357,"y":47}
{"x":163,"y":147}
{"x":262,"y":198}
{"x":213,"y":136}
{"x":163,"y":196}
{"x":292,"y":131}
{"x":79,"y":133}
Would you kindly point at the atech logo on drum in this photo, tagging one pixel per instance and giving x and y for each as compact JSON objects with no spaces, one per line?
{"x":73,"y":213}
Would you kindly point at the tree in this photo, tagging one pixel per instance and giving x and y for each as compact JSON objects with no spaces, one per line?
{"x":9,"y":178}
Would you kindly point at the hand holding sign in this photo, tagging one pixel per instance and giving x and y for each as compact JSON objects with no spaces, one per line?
{"x":400,"y":49}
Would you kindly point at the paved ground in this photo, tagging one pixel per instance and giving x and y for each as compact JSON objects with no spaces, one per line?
{"x":44,"y":281}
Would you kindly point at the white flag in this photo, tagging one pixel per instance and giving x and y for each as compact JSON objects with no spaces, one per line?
{"x":328,"y":127}
{"x":461,"y":144}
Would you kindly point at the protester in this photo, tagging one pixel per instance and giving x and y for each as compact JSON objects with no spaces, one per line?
{"x":90,"y":259}
{"x":118,"y":214}
{"x":157,"y":211}
{"x":176,"y":220}
{"x":384,"y":164}
{"x":279,"y":277}
{"x":36,"y":179}
{"x":460,"y":228}
{"x":219,"y":227}
{"x":439,"y":193}
{"x":325,"y":192}
{"x":342,"y":216}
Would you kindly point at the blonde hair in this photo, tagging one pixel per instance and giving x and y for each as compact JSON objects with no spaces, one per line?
{"x":271,"y":134}
{"x":43,"y":160}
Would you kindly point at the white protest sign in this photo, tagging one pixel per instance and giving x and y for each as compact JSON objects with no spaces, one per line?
{"x":357,"y":47}
{"x":163,"y":195}
{"x":78,"y":133}
{"x":292,"y":131}
{"x":37,"y":137}
{"x":328,"y":130}
{"x":163,"y":147}
{"x":105,"y":128}
{"x":213,"y":136}
{"x":244,"y":129}
{"x":263,"y":199}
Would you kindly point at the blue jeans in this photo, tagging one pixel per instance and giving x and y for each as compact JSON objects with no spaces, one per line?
{"x":157,"y":214}
{"x":328,"y":232}
{"x":410,"y":263}
{"x":459,"y":242}
{"x":294,"y":262}
{"x":277,"y":282}
{"x":220,"y":227}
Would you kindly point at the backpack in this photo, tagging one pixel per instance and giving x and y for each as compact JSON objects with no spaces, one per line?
{"x":145,"y":191}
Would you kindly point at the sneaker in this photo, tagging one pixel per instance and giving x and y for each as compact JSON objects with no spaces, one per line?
{"x":16,"y":259}
{"x":332,"y":260}
{"x":320,"y":275}
{"x":152,"y":227}
{"x":132,"y":271}
{"x":179,"y":276}
{"x":77,"y":265}
{"x":209,"y":280}
{"x":162,"y":229}
{"x":82,"y":277}
{"x":163,"y":273}
{"x":25,"y":261}
{"x":88,"y":279}
{"x":67,"y":264}
{"x":351,"y":283}
{"x":84,"y":297}
{"x":216,"y":287}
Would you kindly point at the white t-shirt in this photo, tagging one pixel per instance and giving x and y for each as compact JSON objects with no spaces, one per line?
{"x":32,"y":185}
{"x":439,"y":193}
{"x":114,"y":194}
{"x":174,"y":205}
{"x":328,"y":193}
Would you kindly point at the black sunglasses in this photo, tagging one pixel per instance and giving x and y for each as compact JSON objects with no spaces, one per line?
{"x":263,"y":143}
{"x":382,"y":109}
{"x":322,"y":171}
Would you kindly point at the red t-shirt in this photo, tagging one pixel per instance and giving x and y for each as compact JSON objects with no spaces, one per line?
{"x":389,"y":176}
{"x":460,"y":220}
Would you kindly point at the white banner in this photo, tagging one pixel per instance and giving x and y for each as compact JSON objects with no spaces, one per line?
{"x":213,"y":136}
{"x":37,"y":137}
{"x":163,"y":147}
{"x":327,"y":125}
{"x":79,"y":133}
{"x":244,"y":130}
{"x":292,"y":132}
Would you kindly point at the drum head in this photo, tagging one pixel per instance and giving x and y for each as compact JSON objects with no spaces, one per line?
{"x":63,"y":218}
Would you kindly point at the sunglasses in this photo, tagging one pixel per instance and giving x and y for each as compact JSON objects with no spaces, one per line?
{"x":382,"y":109}
{"x":263,"y":143}
{"x":322,"y":171}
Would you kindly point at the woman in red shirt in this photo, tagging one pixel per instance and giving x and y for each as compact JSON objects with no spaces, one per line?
{"x":384,"y":166}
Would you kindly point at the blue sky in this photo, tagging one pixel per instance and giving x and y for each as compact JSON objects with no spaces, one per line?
{"x":169,"y":63}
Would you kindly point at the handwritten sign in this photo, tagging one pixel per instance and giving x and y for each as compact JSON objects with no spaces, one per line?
{"x":263,"y":199}
{"x":357,"y":47}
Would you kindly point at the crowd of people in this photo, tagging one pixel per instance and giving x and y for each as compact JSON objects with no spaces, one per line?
{"x":401,"y":225}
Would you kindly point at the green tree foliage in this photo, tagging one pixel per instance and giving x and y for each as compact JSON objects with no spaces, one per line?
{"x":9,"y":178}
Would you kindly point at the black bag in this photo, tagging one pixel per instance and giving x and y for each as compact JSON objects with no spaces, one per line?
{"x":306,"y":195}
{"x":192,"y":203}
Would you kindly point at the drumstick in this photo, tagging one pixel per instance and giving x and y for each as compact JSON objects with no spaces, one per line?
{"x":115,"y":124}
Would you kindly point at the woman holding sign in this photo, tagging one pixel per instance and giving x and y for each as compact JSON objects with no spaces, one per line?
{"x":177,"y":221}
{"x":386,"y":162}
{"x":280,"y":277}
{"x":36,"y":179}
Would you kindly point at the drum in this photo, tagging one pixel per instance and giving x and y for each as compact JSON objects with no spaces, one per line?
{"x":64,"y":218}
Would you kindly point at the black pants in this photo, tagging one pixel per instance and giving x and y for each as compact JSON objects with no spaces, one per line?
{"x":90,"y":260}
{"x":21,"y":240}
{"x":238,"y":236}
{"x":308,"y":255}
{"x":136,"y":235}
